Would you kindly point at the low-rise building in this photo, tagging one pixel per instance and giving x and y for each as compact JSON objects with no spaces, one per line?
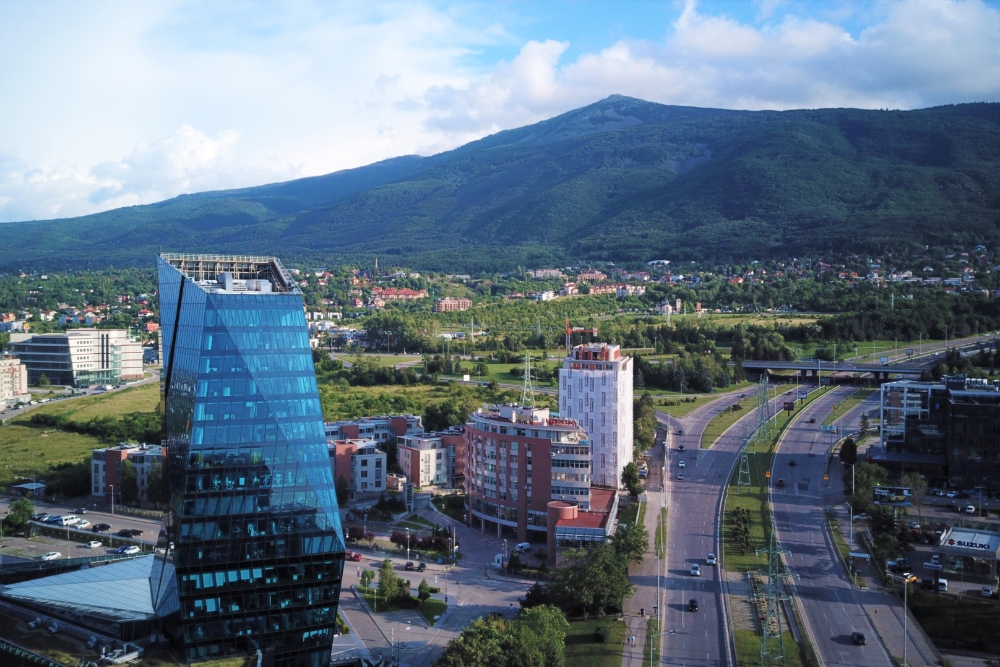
{"x":80,"y":357}
{"x":434,"y":459}
{"x":382,"y":429}
{"x":451,"y":304}
{"x":106,"y":469}
{"x":360,"y":463}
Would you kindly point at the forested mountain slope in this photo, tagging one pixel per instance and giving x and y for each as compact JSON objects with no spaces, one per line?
{"x":619,"y":180}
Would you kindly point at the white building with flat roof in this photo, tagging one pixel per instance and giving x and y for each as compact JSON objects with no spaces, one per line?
{"x":13,"y":381}
{"x":79,"y":357}
{"x":595,"y":388}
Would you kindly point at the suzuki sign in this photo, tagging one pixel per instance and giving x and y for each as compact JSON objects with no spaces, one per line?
{"x":978,"y":542}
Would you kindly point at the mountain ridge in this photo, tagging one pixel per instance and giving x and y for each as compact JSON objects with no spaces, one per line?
{"x":619,"y":180}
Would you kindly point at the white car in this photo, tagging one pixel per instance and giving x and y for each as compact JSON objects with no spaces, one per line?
{"x":52,"y":555}
{"x":938,"y":493}
{"x":913,"y":525}
{"x":131,"y":549}
{"x":680,"y":475}
{"x":951,"y":494}
{"x":94,"y":544}
{"x":970,"y":509}
{"x":681,"y":464}
{"x":710,"y":560}
{"x":83,"y":523}
{"x":695,"y":570}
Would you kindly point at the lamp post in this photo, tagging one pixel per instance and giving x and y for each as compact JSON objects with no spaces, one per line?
{"x":407,"y":544}
{"x":850,"y":544}
{"x":112,"y":499}
{"x":505,"y":558}
{"x":906,"y":613}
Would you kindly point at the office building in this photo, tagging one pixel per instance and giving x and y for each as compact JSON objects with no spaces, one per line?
{"x":385,"y":429}
{"x":948,"y":431}
{"x":258,"y":542}
{"x":80,"y":357}
{"x":360,"y":463}
{"x":106,"y":469}
{"x":13,"y":381}
{"x":595,"y":388}
{"x":433,"y":459}
{"x":527,"y":475}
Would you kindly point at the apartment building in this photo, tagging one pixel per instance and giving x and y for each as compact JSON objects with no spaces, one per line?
{"x":595,"y":389}
{"x":80,"y":357}
{"x":451,"y":304}
{"x":361,"y":464}
{"x":434,"y":459}
{"x":13,"y":381}
{"x":106,"y":468}
{"x":382,"y":429}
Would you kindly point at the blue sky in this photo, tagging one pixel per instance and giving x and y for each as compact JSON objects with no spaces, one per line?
{"x":113,"y":103}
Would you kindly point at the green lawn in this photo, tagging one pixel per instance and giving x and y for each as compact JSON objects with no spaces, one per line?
{"x":383,"y":359}
{"x":144,"y":398}
{"x":583,"y":650}
{"x":680,"y":405}
{"x":26,"y":451}
{"x":634,"y":512}
{"x":452,"y":505}
{"x":748,"y":648}
{"x":953,"y":621}
{"x":651,"y":647}
{"x":721,"y":422}
{"x":661,"y":532}
{"x":430,"y":608}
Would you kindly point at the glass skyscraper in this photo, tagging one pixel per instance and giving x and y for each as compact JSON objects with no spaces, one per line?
{"x":257,"y":542}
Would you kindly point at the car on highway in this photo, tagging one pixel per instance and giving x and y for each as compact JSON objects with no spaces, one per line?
{"x":680,"y":475}
{"x":710,"y":560}
{"x":79,"y":510}
{"x":858,"y":638}
{"x":129,"y":532}
{"x":692,"y":605}
{"x":100,"y":527}
{"x":94,"y":544}
{"x":781,"y":483}
{"x":680,"y":448}
{"x":792,"y":463}
{"x":695,"y":570}
{"x":812,"y":420}
{"x":52,"y":555}
{"x":970,"y":509}
{"x":681,"y":464}
{"x":680,"y":431}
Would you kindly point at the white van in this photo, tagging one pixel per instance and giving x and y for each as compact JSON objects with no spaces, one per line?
{"x":943,"y":585}
{"x":522,"y":548}
{"x":68,"y":520}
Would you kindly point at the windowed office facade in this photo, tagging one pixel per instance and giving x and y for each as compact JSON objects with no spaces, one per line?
{"x":258,"y":546}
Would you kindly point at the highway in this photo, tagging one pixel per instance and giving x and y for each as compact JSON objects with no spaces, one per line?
{"x":832,"y":607}
{"x":698,"y":638}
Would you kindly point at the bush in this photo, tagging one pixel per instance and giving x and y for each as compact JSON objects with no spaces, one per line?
{"x":601,"y":634}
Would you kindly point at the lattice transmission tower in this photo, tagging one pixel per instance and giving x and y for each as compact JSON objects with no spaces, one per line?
{"x":772,"y":643}
{"x":527,"y":391}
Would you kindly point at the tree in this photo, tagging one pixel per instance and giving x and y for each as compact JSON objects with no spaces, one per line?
{"x":389,"y":583}
{"x":631,"y":542}
{"x":630,"y":478}
{"x":592,"y":581}
{"x":918,"y":487}
{"x":537,"y":595}
{"x":514,"y":562}
{"x":43,"y":381}
{"x":423,"y":590}
{"x":866,"y":477}
{"x":366,"y":578}
{"x":865,"y":425}
{"x":158,"y":486}
{"x":343,"y":491}
{"x":483,"y":643}
{"x":129,"y":481}
{"x":19,"y":513}
{"x":536,"y":638}
{"x":849,"y":452}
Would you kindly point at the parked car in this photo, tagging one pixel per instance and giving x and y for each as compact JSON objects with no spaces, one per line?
{"x":52,"y":555}
{"x":692,"y":605}
{"x":409,"y":566}
{"x":100,"y":527}
{"x":858,"y":638}
{"x":94,"y":544}
{"x":129,"y":532}
{"x":970,"y":509}
{"x":127,"y":549}
{"x":988,"y":591}
{"x":41,"y":517}
{"x":82,"y":523}
{"x":643,"y":474}
{"x":913,"y":525}
{"x":421,"y":567}
{"x":951,"y":494}
{"x":52,"y":518}
{"x":353,"y":556}
{"x":522,"y":547}
{"x":79,"y":510}
{"x":938,"y":493}
{"x":861,"y":517}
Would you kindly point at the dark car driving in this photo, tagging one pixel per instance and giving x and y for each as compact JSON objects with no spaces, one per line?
{"x":692,"y":605}
{"x":858,"y":638}
{"x":101,"y":527}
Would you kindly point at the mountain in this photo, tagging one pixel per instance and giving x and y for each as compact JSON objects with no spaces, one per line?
{"x":621,"y":180}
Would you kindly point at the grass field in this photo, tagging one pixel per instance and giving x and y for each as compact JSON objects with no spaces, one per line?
{"x":383,"y":359}
{"x":651,"y":647}
{"x":583,"y":650}
{"x":661,"y":533}
{"x":724,"y":420}
{"x":680,"y":405}
{"x":144,"y":398}
{"x":953,"y":621}
{"x":26,"y":451}
{"x":634,"y":512}
{"x":848,"y":404}
{"x":748,"y":649}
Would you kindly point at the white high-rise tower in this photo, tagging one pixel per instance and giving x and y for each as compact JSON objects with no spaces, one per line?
{"x":595,"y":388}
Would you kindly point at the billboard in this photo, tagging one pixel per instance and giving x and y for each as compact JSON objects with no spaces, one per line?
{"x":789,"y":405}
{"x":892,"y":496}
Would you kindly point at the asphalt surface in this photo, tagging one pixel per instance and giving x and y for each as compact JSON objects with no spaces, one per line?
{"x":702,"y":637}
{"x":832,"y":607}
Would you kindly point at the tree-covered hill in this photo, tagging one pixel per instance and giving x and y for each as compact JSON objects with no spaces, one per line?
{"x":621,"y":180}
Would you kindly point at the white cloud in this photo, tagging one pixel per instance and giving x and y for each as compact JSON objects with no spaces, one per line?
{"x":106,"y":104}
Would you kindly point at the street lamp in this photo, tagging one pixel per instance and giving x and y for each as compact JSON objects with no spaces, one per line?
{"x":407,"y":544}
{"x":850,"y":544}
{"x":112,"y":499}
{"x":505,"y":558}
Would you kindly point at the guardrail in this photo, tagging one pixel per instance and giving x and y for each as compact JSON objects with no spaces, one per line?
{"x":27,"y":656}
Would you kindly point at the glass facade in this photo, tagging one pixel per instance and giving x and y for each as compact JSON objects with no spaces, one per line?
{"x":258,"y":545}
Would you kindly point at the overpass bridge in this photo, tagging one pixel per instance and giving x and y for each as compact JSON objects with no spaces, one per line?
{"x":812,"y":368}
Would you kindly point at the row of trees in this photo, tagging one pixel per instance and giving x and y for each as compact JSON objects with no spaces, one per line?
{"x":536,"y":637}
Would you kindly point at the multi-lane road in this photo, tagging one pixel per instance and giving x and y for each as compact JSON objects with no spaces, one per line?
{"x":831,"y":606}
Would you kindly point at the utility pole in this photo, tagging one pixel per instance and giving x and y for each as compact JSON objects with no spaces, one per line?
{"x":772,"y":644}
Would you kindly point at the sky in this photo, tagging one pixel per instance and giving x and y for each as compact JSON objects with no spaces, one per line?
{"x":109,"y":104}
